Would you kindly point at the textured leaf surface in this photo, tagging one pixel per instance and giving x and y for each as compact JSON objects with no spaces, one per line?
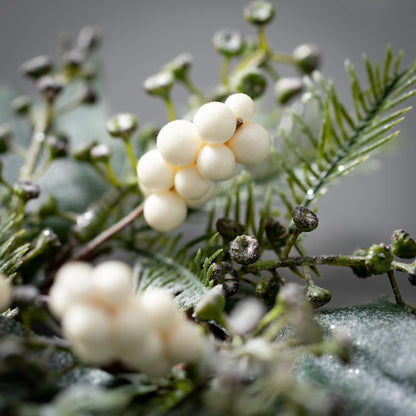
{"x":381,"y":377}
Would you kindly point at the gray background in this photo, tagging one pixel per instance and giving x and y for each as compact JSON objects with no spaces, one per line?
{"x":142,"y":35}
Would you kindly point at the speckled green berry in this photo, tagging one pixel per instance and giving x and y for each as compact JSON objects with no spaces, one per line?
{"x":305,"y":220}
{"x":259,"y":12}
{"x":251,"y":82}
{"x":318,"y":296}
{"x":276,"y":232}
{"x":402,"y":245}
{"x":379,"y":258}
{"x":267,"y":289}
{"x":228,"y":228}
{"x":228,"y":43}
{"x":245,"y":249}
{"x":224,"y":274}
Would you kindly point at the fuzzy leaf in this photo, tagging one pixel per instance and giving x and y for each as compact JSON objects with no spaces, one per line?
{"x":381,"y":377}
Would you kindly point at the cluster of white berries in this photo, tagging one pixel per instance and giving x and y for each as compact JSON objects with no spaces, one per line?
{"x":105,"y":321}
{"x":190,"y":156}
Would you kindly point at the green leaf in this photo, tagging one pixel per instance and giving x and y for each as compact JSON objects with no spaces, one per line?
{"x":381,"y":377}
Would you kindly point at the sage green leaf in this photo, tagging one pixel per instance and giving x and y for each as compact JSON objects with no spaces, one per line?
{"x":381,"y":376}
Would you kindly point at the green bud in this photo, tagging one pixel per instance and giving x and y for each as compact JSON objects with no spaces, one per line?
{"x":251,"y":82}
{"x":308,"y":57}
{"x":402,"y":245}
{"x":159,"y":84}
{"x":89,"y":38}
{"x":83,"y":153}
{"x":37,"y":67}
{"x":276,"y":232}
{"x":57,"y":145}
{"x":101,"y":153}
{"x":259,"y":12}
{"x":267,"y":289}
{"x":245,"y":249}
{"x":49,"y":87}
{"x":379,"y":258}
{"x":88,"y":95}
{"x":21,"y":104}
{"x":27,"y":190}
{"x":225,"y":275}
{"x":361,"y":270}
{"x":287,"y":88}
{"x":318,"y":296}
{"x":49,"y":206}
{"x":6,"y":136}
{"x":228,"y":228}
{"x":46,"y":242}
{"x":180,"y":65}
{"x":305,"y":220}
{"x":73,"y":59}
{"x":211,"y":306}
{"x":122,"y":125}
{"x":228,"y":43}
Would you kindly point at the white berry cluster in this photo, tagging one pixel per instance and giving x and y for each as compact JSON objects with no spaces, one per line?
{"x":190,"y":156}
{"x":105,"y":321}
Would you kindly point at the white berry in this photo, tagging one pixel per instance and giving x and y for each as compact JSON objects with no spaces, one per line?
{"x":242,"y":106}
{"x":178,"y":142}
{"x":185,"y":343}
{"x":88,"y":328}
{"x":153,"y":173}
{"x":215,"y":122}
{"x":112,"y":280}
{"x":189,"y":183}
{"x":6,"y":293}
{"x":250,"y":144}
{"x":216,"y":163}
{"x":164,"y":211}
{"x":196,"y":203}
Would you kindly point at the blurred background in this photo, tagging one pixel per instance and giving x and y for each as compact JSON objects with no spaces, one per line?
{"x":140,"y":36}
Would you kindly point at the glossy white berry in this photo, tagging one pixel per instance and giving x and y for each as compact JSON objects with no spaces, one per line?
{"x":178,"y":143}
{"x":72,"y":285}
{"x":161,"y":310}
{"x":196,"y":203}
{"x":250,"y":144}
{"x":164,"y":211}
{"x":216,"y":163}
{"x":189,"y":183}
{"x":242,"y":106}
{"x":89,"y":330}
{"x":6,"y":293}
{"x":215,"y":122}
{"x":112,"y":282}
{"x":153,"y":173}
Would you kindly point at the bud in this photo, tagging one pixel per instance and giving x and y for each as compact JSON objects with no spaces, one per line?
{"x":46,"y":242}
{"x":251,"y":82}
{"x":21,"y":104}
{"x":224,"y":274}
{"x":101,"y":153}
{"x":57,"y":144}
{"x":308,"y":57}
{"x":211,"y":306}
{"x":49,"y":206}
{"x":361,"y":270}
{"x":159,"y":84}
{"x":267,"y":289}
{"x":6,"y":135}
{"x":83,"y":153}
{"x":402,"y":245}
{"x":276,"y":232}
{"x":245,"y":249}
{"x":49,"y":87}
{"x":286,"y":88}
{"x":37,"y":67}
{"x":318,"y":296}
{"x":229,"y":229}
{"x":88,"y":95}
{"x":122,"y":125}
{"x":89,"y":38}
{"x":180,"y":65}
{"x":259,"y":12}
{"x":73,"y":59}
{"x":27,"y":190}
{"x":379,"y":258}
{"x":304,"y":219}
{"x":228,"y":43}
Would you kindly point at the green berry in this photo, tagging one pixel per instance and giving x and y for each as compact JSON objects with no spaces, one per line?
{"x":259,"y":12}
{"x":21,"y":104}
{"x":245,"y":249}
{"x":49,"y":87}
{"x":159,"y":84}
{"x":402,"y":245}
{"x":122,"y":125}
{"x":180,"y":65}
{"x":83,"y":153}
{"x":37,"y":67}
{"x":318,"y":296}
{"x":287,"y":88}
{"x":267,"y":289}
{"x":224,"y":274}
{"x":379,"y":258}
{"x":228,"y":43}
{"x":276,"y":232}
{"x":27,"y":190}
{"x":251,"y":82}
{"x":57,"y":144}
{"x":308,"y":57}
{"x":229,"y":229}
